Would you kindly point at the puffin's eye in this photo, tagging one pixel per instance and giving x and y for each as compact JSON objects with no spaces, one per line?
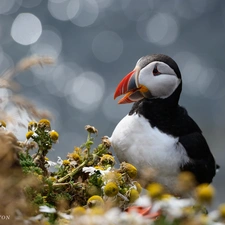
{"x":156,"y":72}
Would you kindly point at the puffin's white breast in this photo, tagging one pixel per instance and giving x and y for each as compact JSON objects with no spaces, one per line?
{"x":137,"y":142}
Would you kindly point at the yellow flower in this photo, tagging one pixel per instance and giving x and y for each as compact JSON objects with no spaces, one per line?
{"x":134,"y":195}
{"x":138,"y":186}
{"x":53,"y":179}
{"x":77,"y":150}
{"x":2,"y":123}
{"x":78,"y":211}
{"x":204,"y":219}
{"x":166,"y":196}
{"x":185,"y":182}
{"x":97,"y":211}
{"x":222,"y":211}
{"x":45,"y":222}
{"x":91,"y":129}
{"x":107,"y":159}
{"x":205,"y":193}
{"x":44,"y":123}
{"x":93,"y":190}
{"x":129,"y":169}
{"x":111,"y":189}
{"x":95,"y":201}
{"x":29,"y":134}
{"x":32,"y":125}
{"x":54,"y":135}
{"x":99,"y":168}
{"x":75,"y":156}
{"x":66,"y":162}
{"x":155,"y":190}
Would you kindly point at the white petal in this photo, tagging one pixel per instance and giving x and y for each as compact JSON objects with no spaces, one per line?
{"x":51,"y":163}
{"x":46,"y":209}
{"x":143,"y":201}
{"x":59,"y":161}
{"x":35,"y":218}
{"x":65,"y":216}
{"x":91,"y":170}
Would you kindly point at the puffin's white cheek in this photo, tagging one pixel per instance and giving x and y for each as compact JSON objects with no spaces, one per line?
{"x":163,"y":86}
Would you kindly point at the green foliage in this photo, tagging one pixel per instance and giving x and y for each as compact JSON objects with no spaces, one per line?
{"x":96,"y":179}
{"x":28,"y":165}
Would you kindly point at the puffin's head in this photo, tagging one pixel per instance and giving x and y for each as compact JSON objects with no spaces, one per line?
{"x":154,"y":77}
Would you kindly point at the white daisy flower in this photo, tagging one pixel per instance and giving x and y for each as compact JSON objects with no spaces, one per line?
{"x":91,"y":170}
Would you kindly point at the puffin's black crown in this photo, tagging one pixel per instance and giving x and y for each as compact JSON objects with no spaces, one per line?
{"x":144,"y":61}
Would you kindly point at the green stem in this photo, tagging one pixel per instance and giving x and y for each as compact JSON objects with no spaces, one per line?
{"x":61,"y":184}
{"x":88,"y":146}
{"x":72,"y":173}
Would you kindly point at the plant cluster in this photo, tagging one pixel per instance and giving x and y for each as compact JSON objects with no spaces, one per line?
{"x":86,"y":177}
{"x":86,"y":188}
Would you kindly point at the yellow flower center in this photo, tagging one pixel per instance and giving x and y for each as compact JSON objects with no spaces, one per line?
{"x":205,"y":193}
{"x":29,"y":134}
{"x":54,"y":135}
{"x":155,"y":190}
{"x":111,"y":189}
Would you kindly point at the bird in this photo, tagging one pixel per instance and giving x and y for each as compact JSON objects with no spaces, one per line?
{"x":157,"y":133}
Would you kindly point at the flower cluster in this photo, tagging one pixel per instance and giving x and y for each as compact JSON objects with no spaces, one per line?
{"x":87,"y":188}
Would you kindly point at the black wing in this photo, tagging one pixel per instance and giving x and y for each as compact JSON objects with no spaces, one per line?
{"x":202,"y":163}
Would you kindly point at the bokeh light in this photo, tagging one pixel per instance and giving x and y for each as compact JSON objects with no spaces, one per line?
{"x":162,"y":29}
{"x":49,"y":44}
{"x":6,"y":6}
{"x":87,"y":14}
{"x":73,"y":8}
{"x":30,"y":3}
{"x":134,"y":9}
{"x":15,"y":7}
{"x":107,"y":46}
{"x":63,"y":9}
{"x":86,"y":91}
{"x":192,"y":9}
{"x":57,"y":81}
{"x":26,"y":29}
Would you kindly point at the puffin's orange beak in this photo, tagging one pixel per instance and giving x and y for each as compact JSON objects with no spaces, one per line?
{"x":129,"y":87}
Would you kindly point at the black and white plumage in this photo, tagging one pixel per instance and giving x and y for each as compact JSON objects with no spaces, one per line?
{"x":158,"y":133}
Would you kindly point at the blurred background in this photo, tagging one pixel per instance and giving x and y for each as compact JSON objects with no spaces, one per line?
{"x":97,"y":42}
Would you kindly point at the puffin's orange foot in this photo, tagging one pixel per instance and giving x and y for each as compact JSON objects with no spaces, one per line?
{"x":144,"y":211}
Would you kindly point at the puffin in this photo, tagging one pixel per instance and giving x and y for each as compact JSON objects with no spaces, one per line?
{"x":157,"y":133}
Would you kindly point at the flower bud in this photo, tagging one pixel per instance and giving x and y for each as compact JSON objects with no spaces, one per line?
{"x":111,"y":189}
